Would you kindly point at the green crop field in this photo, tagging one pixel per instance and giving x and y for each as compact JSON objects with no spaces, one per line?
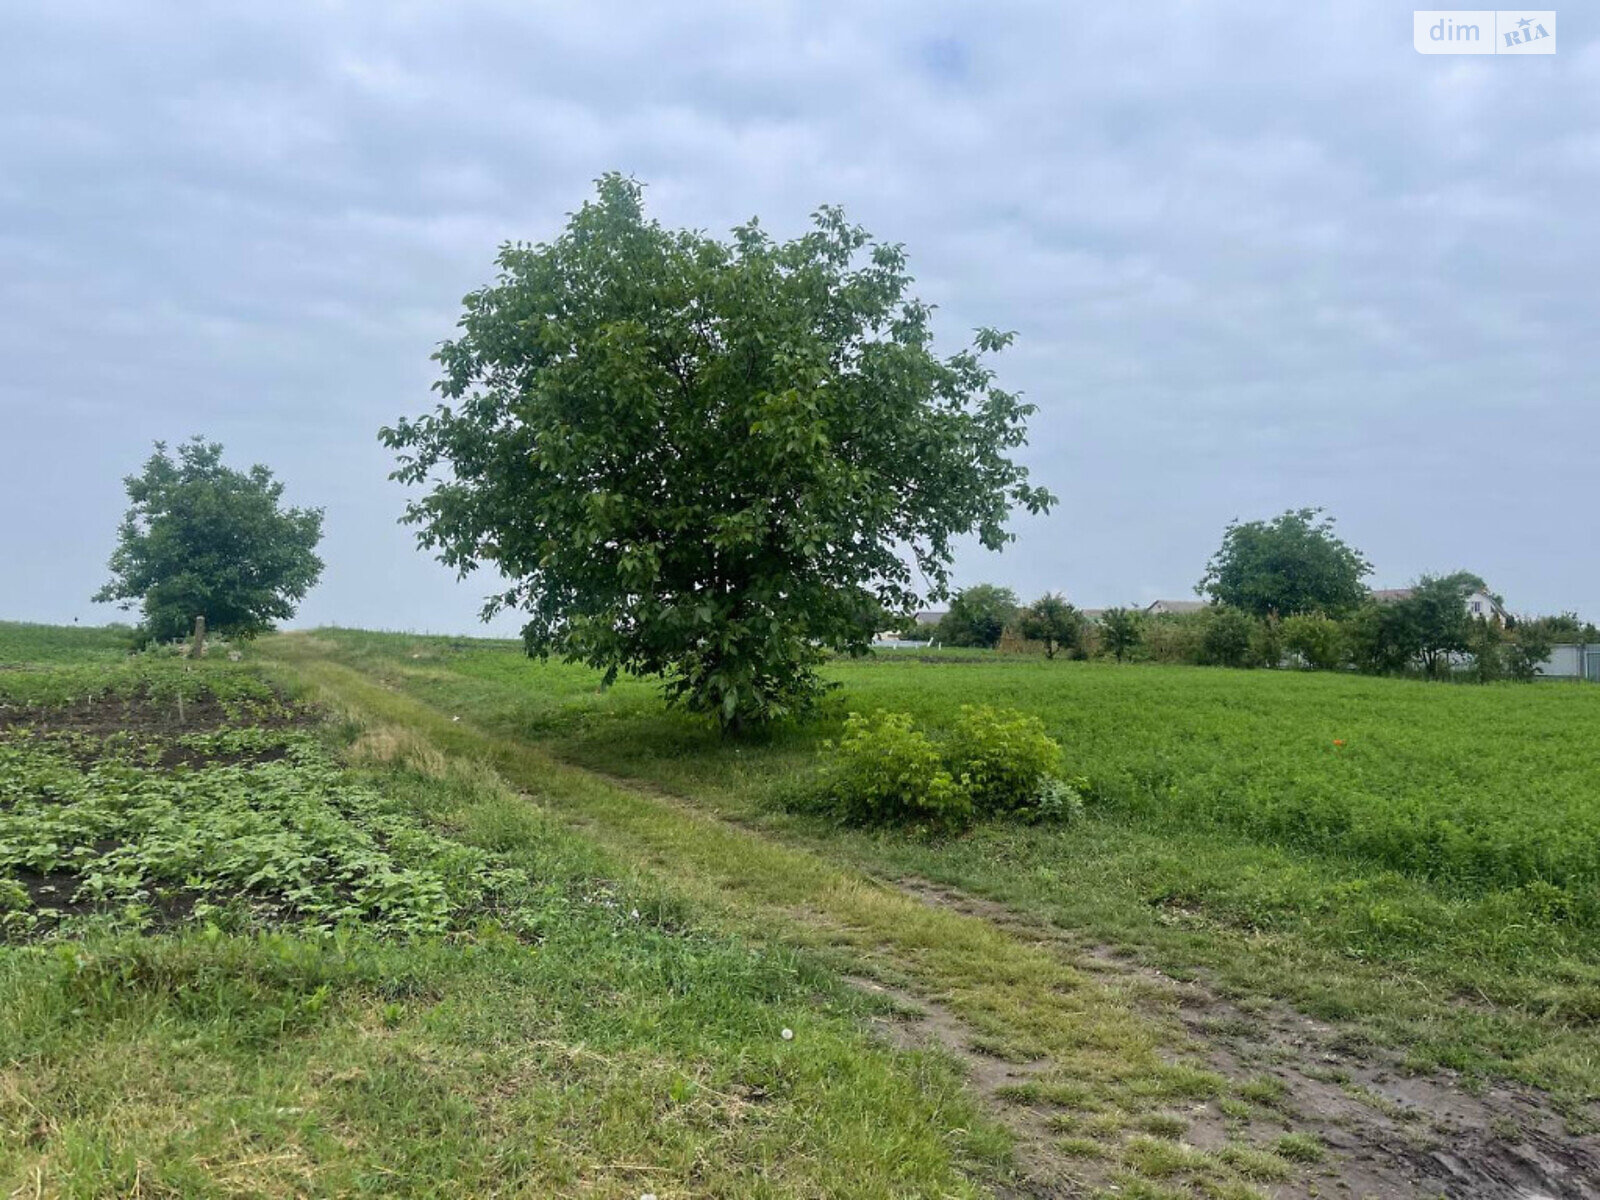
{"x":395,"y":915}
{"x":1386,"y":851}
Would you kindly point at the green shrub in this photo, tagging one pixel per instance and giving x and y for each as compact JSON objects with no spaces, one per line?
{"x":1060,"y":800}
{"x":1266,"y":642}
{"x":13,"y":896}
{"x":1226,"y":637}
{"x":1527,"y":651}
{"x":1005,"y":758}
{"x":1319,"y":641}
{"x":883,"y":770}
{"x":1173,"y":638}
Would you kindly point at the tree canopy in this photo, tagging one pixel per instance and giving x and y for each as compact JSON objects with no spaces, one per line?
{"x":1294,"y":563}
{"x":709,"y":460}
{"x":1122,"y":630}
{"x":202,"y":539}
{"x":1435,"y":619}
{"x":1425,"y":627}
{"x":1051,"y":620}
{"x":978,"y":616}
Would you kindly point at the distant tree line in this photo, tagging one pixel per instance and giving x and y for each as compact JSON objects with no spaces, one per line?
{"x":1284,"y":593}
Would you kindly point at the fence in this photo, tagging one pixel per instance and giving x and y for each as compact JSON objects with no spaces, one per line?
{"x":1570,"y":661}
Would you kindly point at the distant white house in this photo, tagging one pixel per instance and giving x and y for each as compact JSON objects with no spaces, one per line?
{"x":892,"y":639}
{"x":1167,"y":608}
{"x":1479,"y":604}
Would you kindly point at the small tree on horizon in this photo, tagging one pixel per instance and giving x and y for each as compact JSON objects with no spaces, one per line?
{"x":204,"y":540}
{"x":1123,"y":630}
{"x":1436,"y":615}
{"x":1051,"y":620}
{"x":1227,"y":637}
{"x":978,"y":616}
{"x":1318,"y":640}
{"x":1292,"y":564}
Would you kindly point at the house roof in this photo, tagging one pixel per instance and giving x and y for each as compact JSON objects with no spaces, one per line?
{"x":1176,"y":606}
{"x":930,"y":617}
{"x":1394,"y":595}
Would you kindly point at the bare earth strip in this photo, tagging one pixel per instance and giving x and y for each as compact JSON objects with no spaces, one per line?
{"x":1393,"y":1132}
{"x":1112,"y":1077}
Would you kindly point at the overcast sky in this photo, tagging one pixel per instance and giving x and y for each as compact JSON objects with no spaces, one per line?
{"x":1257,"y":256}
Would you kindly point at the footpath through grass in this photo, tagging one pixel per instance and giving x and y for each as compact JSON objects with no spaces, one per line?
{"x":1414,"y":861}
{"x":1113,"y":1068}
{"x":241,"y":954}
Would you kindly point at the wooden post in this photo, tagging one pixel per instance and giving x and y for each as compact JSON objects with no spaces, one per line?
{"x":199,"y":647}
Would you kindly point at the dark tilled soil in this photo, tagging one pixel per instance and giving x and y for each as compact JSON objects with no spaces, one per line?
{"x":1388,"y":1133}
{"x":95,"y":727}
{"x":57,"y":892}
{"x":144,"y":732}
{"x":108,"y":714}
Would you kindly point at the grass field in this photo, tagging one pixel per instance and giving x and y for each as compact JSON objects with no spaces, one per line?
{"x":1419,"y":859}
{"x":38,"y":644}
{"x":1310,"y":930}
{"x":242,"y":953}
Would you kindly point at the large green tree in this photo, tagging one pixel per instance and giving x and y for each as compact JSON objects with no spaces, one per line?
{"x":711,"y":461}
{"x":1428,"y":627}
{"x":1294,"y":563}
{"x":203,"y":539}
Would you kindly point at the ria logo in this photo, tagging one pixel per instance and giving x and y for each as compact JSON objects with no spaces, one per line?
{"x":1528,"y":30}
{"x":1484,"y":31}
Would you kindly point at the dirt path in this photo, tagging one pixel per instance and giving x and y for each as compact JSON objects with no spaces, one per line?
{"x":1390,"y":1133}
{"x":1109,"y":1075}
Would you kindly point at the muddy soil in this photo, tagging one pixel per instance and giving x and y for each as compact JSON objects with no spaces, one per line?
{"x":1389,"y":1134}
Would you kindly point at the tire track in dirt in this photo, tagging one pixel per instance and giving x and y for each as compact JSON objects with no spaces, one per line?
{"x":1390,"y":1133}
{"x":920,"y":1024}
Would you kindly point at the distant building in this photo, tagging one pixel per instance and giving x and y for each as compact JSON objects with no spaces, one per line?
{"x":1168,"y":608}
{"x":895,"y":639}
{"x":1479,"y":604}
{"x":1569,"y":661}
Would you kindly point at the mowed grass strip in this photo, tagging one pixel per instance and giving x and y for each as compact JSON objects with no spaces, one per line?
{"x":584,"y":1036}
{"x":1100,"y":1051}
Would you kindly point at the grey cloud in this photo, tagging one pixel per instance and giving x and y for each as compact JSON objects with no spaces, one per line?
{"x":1256,"y":257}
